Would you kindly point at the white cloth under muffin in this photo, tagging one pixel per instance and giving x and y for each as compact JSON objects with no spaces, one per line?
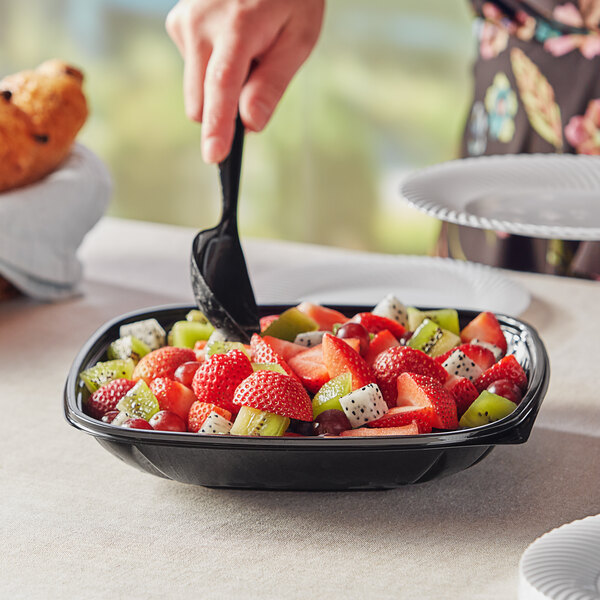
{"x":43,"y":224}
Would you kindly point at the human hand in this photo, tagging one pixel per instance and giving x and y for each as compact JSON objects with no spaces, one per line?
{"x":239,"y":53}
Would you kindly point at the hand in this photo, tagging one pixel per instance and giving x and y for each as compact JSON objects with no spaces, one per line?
{"x":220,"y":40}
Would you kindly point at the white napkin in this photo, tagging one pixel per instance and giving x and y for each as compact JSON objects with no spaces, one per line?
{"x":43,"y":224}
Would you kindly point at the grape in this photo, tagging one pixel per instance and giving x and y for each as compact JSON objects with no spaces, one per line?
{"x":109,"y":416}
{"x":331,"y":421}
{"x":507,"y":389}
{"x":185,"y":372}
{"x":358,"y":331}
{"x":302,"y":427}
{"x":165,"y":420}
{"x":405,"y":338}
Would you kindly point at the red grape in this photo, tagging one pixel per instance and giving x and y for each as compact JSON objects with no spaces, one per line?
{"x":165,"y":420}
{"x":109,"y":416}
{"x":185,"y":372}
{"x":357,"y":331}
{"x":332,"y":421}
{"x":507,"y":389}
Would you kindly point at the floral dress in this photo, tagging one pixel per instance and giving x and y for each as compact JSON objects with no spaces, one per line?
{"x":537,"y":89}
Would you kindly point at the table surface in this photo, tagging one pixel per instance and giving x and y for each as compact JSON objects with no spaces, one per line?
{"x":77,"y":523}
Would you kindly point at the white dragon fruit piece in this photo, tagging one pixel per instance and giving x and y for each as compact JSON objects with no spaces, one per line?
{"x":364,"y":405}
{"x":393,"y":309}
{"x":216,"y":423}
{"x":497,"y":352}
{"x":459,"y":364}
{"x":148,"y":331}
{"x":309,"y":338}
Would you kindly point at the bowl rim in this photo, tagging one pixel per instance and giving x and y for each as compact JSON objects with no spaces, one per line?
{"x":513,"y":429}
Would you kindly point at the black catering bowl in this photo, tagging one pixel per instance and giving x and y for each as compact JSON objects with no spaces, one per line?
{"x":307,"y":463}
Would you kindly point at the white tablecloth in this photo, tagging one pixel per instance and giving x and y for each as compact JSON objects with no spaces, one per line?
{"x":77,"y":523}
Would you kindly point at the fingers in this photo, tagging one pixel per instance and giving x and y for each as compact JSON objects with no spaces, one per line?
{"x":226,"y":73}
{"x":194,"y":72}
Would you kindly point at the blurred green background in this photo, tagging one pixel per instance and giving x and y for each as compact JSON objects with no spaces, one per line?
{"x":386,"y":91}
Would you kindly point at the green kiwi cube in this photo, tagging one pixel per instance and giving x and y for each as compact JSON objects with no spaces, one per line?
{"x":128,"y":347}
{"x":220,"y":347}
{"x":446,"y":318}
{"x":196,"y":316}
{"x":433,"y":339}
{"x":268,"y":367}
{"x":104,"y":372}
{"x":486,"y":408}
{"x":251,"y":421}
{"x":185,"y":334}
{"x":328,"y":397}
{"x":139,"y":401}
{"x":289,"y":324}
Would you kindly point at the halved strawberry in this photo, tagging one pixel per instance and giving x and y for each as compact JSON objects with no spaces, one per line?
{"x":173,"y":396}
{"x":481,"y":356}
{"x":421,"y":390}
{"x":398,"y":416}
{"x":506,"y":368}
{"x":264,"y":322}
{"x":485,"y":327}
{"x":382,"y":341}
{"x":218,"y":377}
{"x":276,"y":393}
{"x":105,"y":399}
{"x":325,"y":317}
{"x":200,"y":410}
{"x":161,"y":362}
{"x":284,"y":348}
{"x":263,"y":352}
{"x":463,"y":391}
{"x":402,"y":359}
{"x":340,"y":358}
{"x":310,"y":368}
{"x":412,"y":429}
{"x":374,"y":324}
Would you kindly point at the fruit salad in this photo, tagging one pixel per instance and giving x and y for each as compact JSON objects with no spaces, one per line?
{"x":311,"y":371}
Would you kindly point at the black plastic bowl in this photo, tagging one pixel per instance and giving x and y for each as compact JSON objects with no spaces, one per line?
{"x":307,"y":463}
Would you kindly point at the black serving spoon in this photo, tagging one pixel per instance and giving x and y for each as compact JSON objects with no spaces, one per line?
{"x":220,"y":278}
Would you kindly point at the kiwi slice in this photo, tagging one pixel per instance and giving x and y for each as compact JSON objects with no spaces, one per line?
{"x":268,"y":367}
{"x":196,"y":316}
{"x":433,"y":339}
{"x":446,"y":318}
{"x":328,"y":397}
{"x":139,"y":401}
{"x":184,"y":334}
{"x":289,"y":324}
{"x":128,"y":347}
{"x":250,"y":421}
{"x":486,"y":408}
{"x":104,"y":372}
{"x":220,"y":347}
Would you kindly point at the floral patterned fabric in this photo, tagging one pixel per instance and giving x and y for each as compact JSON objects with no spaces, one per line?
{"x":537,"y":89}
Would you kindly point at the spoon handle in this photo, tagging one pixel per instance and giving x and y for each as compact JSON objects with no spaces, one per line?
{"x":229,"y":172}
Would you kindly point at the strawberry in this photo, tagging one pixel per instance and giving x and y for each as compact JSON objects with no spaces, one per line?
{"x":276,"y":393}
{"x":485,"y":327}
{"x":284,"y":348}
{"x":200,"y":350}
{"x":199,"y":412}
{"x":136,"y":423}
{"x":401,"y":359}
{"x":173,"y":396}
{"x":325,"y":317}
{"x":263,"y":352}
{"x":340,"y":358}
{"x":374,"y":324}
{"x":421,"y":390}
{"x":463,"y":391}
{"x":218,"y":377}
{"x":398,"y":416}
{"x":165,"y":420}
{"x":382,"y":341}
{"x":106,"y":398}
{"x":264,"y":322}
{"x":481,"y":356}
{"x":162,"y":362}
{"x":411,"y":429}
{"x":506,"y":368}
{"x":310,"y":368}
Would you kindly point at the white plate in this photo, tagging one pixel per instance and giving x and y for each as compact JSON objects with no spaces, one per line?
{"x":563,"y":564}
{"x":415,"y":280}
{"x":539,"y":195}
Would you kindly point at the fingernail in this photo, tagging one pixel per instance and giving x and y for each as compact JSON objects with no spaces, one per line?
{"x":261,"y":114}
{"x":213,"y":150}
